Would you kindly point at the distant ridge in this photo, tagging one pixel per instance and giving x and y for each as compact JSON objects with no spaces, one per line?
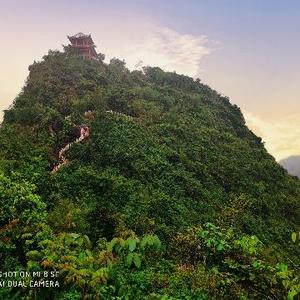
{"x":292,"y":164}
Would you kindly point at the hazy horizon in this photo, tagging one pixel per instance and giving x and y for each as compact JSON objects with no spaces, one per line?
{"x":246,"y":50}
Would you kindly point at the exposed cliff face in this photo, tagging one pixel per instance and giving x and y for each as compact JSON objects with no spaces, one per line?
{"x":165,"y":153}
{"x":292,"y":165}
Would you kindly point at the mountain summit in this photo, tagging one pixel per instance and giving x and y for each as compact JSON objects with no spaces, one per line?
{"x":140,"y":185}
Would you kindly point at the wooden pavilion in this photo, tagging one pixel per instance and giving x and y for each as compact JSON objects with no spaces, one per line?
{"x":84,"y":44}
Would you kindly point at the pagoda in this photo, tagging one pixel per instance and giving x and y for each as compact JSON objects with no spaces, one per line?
{"x":84,"y":44}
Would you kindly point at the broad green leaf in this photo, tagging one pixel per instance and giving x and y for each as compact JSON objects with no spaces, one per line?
{"x":131,"y":244}
{"x":137,"y":260}
{"x":292,"y":293}
{"x":128,"y":260}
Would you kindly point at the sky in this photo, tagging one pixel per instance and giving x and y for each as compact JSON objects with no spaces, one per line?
{"x":247,"y":50}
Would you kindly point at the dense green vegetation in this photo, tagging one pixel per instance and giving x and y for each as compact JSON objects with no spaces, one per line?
{"x":170,"y":197}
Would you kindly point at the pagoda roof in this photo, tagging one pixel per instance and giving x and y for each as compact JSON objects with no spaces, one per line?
{"x":81,"y":35}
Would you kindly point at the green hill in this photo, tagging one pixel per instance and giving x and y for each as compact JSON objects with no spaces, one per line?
{"x":170,"y":196}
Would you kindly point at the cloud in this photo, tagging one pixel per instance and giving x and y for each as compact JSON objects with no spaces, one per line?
{"x":281,"y":137}
{"x":167,"y":49}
